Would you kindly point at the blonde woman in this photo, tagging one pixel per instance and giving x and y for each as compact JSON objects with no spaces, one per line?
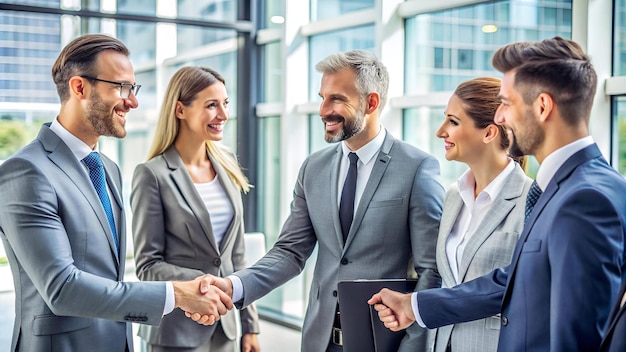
{"x":187,"y":210}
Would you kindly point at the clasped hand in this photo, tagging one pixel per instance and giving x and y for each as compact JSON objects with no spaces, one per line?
{"x":219,"y":292}
{"x":394,"y":309}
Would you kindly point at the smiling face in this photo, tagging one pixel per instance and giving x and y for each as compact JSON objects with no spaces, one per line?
{"x":463,"y":140}
{"x":105,"y":110}
{"x":204,"y":118}
{"x":341,"y":110}
{"x":518,"y":117}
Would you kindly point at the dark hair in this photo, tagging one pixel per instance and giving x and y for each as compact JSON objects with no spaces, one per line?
{"x":555,"y":66}
{"x":77,"y":58}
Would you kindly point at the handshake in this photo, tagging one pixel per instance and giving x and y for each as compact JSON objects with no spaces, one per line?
{"x":204,"y":299}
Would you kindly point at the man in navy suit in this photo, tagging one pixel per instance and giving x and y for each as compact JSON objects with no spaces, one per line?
{"x":568,"y":264}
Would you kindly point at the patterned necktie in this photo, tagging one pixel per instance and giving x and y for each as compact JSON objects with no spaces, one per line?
{"x":96,"y":174}
{"x":346,"y":206}
{"x":533,"y":194}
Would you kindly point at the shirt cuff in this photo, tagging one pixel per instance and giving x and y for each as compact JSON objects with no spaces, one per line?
{"x":237,"y":288}
{"x":169,"y":298}
{"x":416,"y":310}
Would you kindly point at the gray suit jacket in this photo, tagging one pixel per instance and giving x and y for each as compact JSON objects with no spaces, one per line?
{"x":174,"y":241}
{"x":490,"y":247}
{"x":398,"y":216}
{"x":69,"y":294}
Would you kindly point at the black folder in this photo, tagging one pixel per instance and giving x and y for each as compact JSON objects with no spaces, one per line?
{"x":361,"y":328}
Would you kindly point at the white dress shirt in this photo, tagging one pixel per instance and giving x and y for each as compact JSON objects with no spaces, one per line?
{"x":472,"y":213}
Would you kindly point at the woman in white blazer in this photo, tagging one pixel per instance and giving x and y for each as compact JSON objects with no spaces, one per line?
{"x":483,"y":212}
{"x":187,"y":210}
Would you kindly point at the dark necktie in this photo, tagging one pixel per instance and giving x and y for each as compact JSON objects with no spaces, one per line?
{"x":533,"y":194}
{"x":346,"y":206}
{"x":96,"y":174}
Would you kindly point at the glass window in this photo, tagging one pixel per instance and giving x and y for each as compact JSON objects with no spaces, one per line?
{"x":329,"y":43}
{"x":459,"y":49}
{"x":272,"y":72}
{"x":619,"y":118}
{"x":323,"y":9}
{"x":462,"y":32}
{"x":208,"y":10}
{"x":619,"y":42}
{"x":273,"y":14}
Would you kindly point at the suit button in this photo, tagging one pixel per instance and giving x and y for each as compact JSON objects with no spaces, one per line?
{"x":335,"y":293}
{"x":344,"y":261}
{"x":505,"y":321}
{"x":217,"y":262}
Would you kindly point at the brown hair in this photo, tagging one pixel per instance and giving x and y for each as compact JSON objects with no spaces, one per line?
{"x":479,"y":97}
{"x":77,"y":58}
{"x":555,"y":66}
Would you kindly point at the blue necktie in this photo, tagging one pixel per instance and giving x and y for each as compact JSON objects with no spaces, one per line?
{"x":96,"y":174}
{"x":346,"y":205}
{"x":533,"y":194}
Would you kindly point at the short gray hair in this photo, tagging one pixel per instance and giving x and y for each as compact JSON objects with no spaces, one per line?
{"x":371,"y":74}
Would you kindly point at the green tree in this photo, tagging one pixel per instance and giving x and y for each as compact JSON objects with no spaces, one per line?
{"x":13,"y":136}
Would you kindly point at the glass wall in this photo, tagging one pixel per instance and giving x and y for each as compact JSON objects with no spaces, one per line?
{"x":448,"y":47}
{"x":428,"y":52}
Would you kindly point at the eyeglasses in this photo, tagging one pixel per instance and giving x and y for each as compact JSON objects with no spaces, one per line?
{"x":125,"y":88}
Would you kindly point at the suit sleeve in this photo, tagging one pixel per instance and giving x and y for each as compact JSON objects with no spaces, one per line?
{"x":424,"y":216}
{"x":35,"y":232}
{"x":249,"y":316}
{"x":149,"y":231}
{"x":585,"y":247}
{"x":472,"y":300}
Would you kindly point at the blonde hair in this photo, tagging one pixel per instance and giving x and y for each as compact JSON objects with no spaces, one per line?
{"x":184,"y":87}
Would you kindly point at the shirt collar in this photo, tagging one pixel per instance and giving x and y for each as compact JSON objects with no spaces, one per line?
{"x":78,"y":147}
{"x":368,"y":151}
{"x":467,"y":182}
{"x":557,"y":158}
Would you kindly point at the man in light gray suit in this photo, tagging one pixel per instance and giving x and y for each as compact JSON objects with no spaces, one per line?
{"x":397,"y":207}
{"x":66,"y":243}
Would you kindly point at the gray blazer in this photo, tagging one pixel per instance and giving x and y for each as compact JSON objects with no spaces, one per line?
{"x":174,"y":241}
{"x":69,"y":294}
{"x":490,"y":247}
{"x":398,"y":216}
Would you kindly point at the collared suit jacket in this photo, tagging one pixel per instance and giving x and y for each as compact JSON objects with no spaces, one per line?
{"x":490,"y":247}
{"x":614,"y":339}
{"x":69,"y":293}
{"x":174,"y":241}
{"x":566,"y":268}
{"x":398,"y":216}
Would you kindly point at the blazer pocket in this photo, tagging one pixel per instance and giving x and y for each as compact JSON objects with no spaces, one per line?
{"x":53,"y":324}
{"x":532,"y":246}
{"x":386,"y":203}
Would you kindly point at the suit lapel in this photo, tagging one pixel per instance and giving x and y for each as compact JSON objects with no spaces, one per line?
{"x":512,"y":188}
{"x":451,"y":209}
{"x":61,"y":155}
{"x":380,"y":165}
{"x":188,"y":192}
{"x":562,"y":174}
